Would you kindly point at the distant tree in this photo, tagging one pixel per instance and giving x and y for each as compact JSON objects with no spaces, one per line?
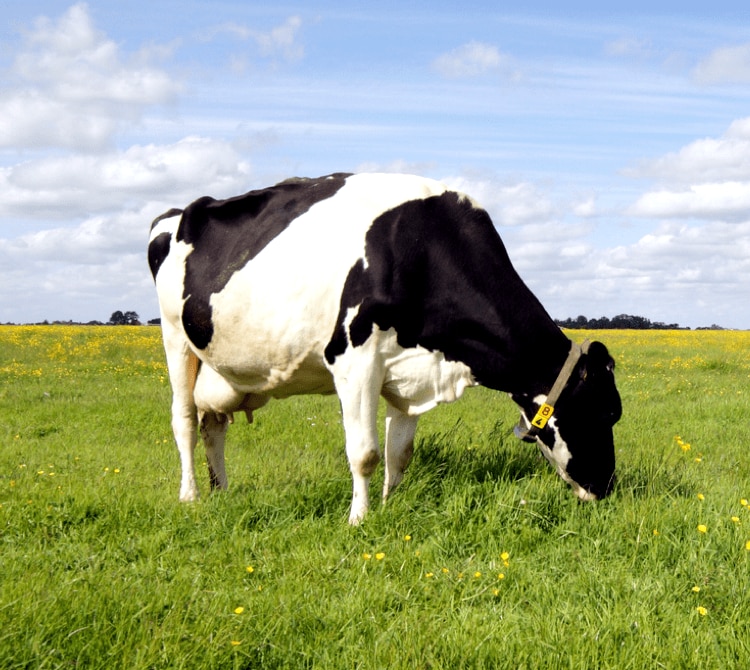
{"x":119,"y":318}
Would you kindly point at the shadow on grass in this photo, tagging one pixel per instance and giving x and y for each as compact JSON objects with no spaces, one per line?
{"x":498,"y":456}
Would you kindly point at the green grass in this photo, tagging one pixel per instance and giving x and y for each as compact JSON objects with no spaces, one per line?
{"x":101,"y":567}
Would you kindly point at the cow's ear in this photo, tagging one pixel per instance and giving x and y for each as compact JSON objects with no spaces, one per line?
{"x":597,"y":360}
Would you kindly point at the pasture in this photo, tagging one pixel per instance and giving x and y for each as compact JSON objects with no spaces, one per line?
{"x":482,"y":558}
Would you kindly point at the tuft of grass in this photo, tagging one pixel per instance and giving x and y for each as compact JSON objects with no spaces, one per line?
{"x":481,"y":559}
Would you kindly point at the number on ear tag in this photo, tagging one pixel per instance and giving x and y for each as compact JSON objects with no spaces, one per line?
{"x":543,"y":415}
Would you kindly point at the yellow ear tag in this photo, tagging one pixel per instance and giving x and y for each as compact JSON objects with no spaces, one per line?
{"x":543,"y":415}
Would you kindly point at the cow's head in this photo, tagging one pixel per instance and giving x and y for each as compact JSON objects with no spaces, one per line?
{"x":576,"y":437}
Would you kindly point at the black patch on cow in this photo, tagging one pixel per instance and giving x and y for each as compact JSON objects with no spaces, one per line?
{"x":226,"y":234}
{"x":438,"y":273}
{"x":158,"y":250}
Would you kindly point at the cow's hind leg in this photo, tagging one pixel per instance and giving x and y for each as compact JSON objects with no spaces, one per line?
{"x":213,"y":427}
{"x":399,"y":446}
{"x":183,"y":369}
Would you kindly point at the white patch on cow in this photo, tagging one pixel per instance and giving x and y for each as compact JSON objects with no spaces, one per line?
{"x":172,"y":274}
{"x":559,"y":455}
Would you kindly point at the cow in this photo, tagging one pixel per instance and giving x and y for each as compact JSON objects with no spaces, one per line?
{"x":368,"y":286}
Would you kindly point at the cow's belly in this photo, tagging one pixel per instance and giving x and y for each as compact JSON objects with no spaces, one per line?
{"x":263,"y":349}
{"x":416,"y":380}
{"x":278,"y":376}
{"x":258,"y":353}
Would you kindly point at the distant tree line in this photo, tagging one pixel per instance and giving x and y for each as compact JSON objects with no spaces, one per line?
{"x":118,"y":318}
{"x":619,"y":322}
{"x":623,"y":322}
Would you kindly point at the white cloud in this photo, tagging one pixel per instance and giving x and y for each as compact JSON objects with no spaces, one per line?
{"x":706,"y":179}
{"x":281,"y":42}
{"x":585,"y":208}
{"x":707,"y":159}
{"x":33,"y":119}
{"x":676,"y":273}
{"x":473,"y":60}
{"x":84,"y":271}
{"x":71,"y":87}
{"x":727,"y":65}
{"x":86,"y":183}
{"x":729,"y":201}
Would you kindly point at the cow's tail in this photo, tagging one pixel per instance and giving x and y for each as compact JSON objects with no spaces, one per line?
{"x":167,"y":215}
{"x":193,"y":365}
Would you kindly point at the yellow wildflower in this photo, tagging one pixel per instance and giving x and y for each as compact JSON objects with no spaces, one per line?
{"x":477,"y":574}
{"x":743,"y":502}
{"x":250,"y":569}
{"x":701,"y":610}
{"x":696,"y":589}
{"x":747,"y":545}
{"x":501,"y":575}
{"x":495,"y":592}
{"x":429,"y":575}
{"x":656,"y":532}
{"x":407,"y":538}
{"x":701,"y":496}
{"x":239,"y":610}
{"x":736,"y":519}
{"x":682,"y":444}
{"x":702,"y":528}
{"x":236,"y":643}
{"x":379,"y":556}
{"x":366,"y":556}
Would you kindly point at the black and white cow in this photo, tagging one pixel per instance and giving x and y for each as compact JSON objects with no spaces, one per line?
{"x":366,"y":285}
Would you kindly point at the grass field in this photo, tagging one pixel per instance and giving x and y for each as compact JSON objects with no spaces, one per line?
{"x":482,"y":558}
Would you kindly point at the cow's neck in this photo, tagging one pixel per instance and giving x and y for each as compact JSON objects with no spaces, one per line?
{"x":536,"y":352}
{"x":521,"y":350}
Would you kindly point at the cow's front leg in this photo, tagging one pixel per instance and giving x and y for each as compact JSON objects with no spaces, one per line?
{"x":399,"y":446}
{"x":213,"y":429}
{"x":362,"y":451}
{"x":359,"y":393}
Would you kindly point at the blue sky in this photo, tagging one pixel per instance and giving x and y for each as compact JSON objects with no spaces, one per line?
{"x":610,"y":145}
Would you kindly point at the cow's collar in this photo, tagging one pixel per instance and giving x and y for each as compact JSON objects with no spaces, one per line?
{"x":547,"y":409}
